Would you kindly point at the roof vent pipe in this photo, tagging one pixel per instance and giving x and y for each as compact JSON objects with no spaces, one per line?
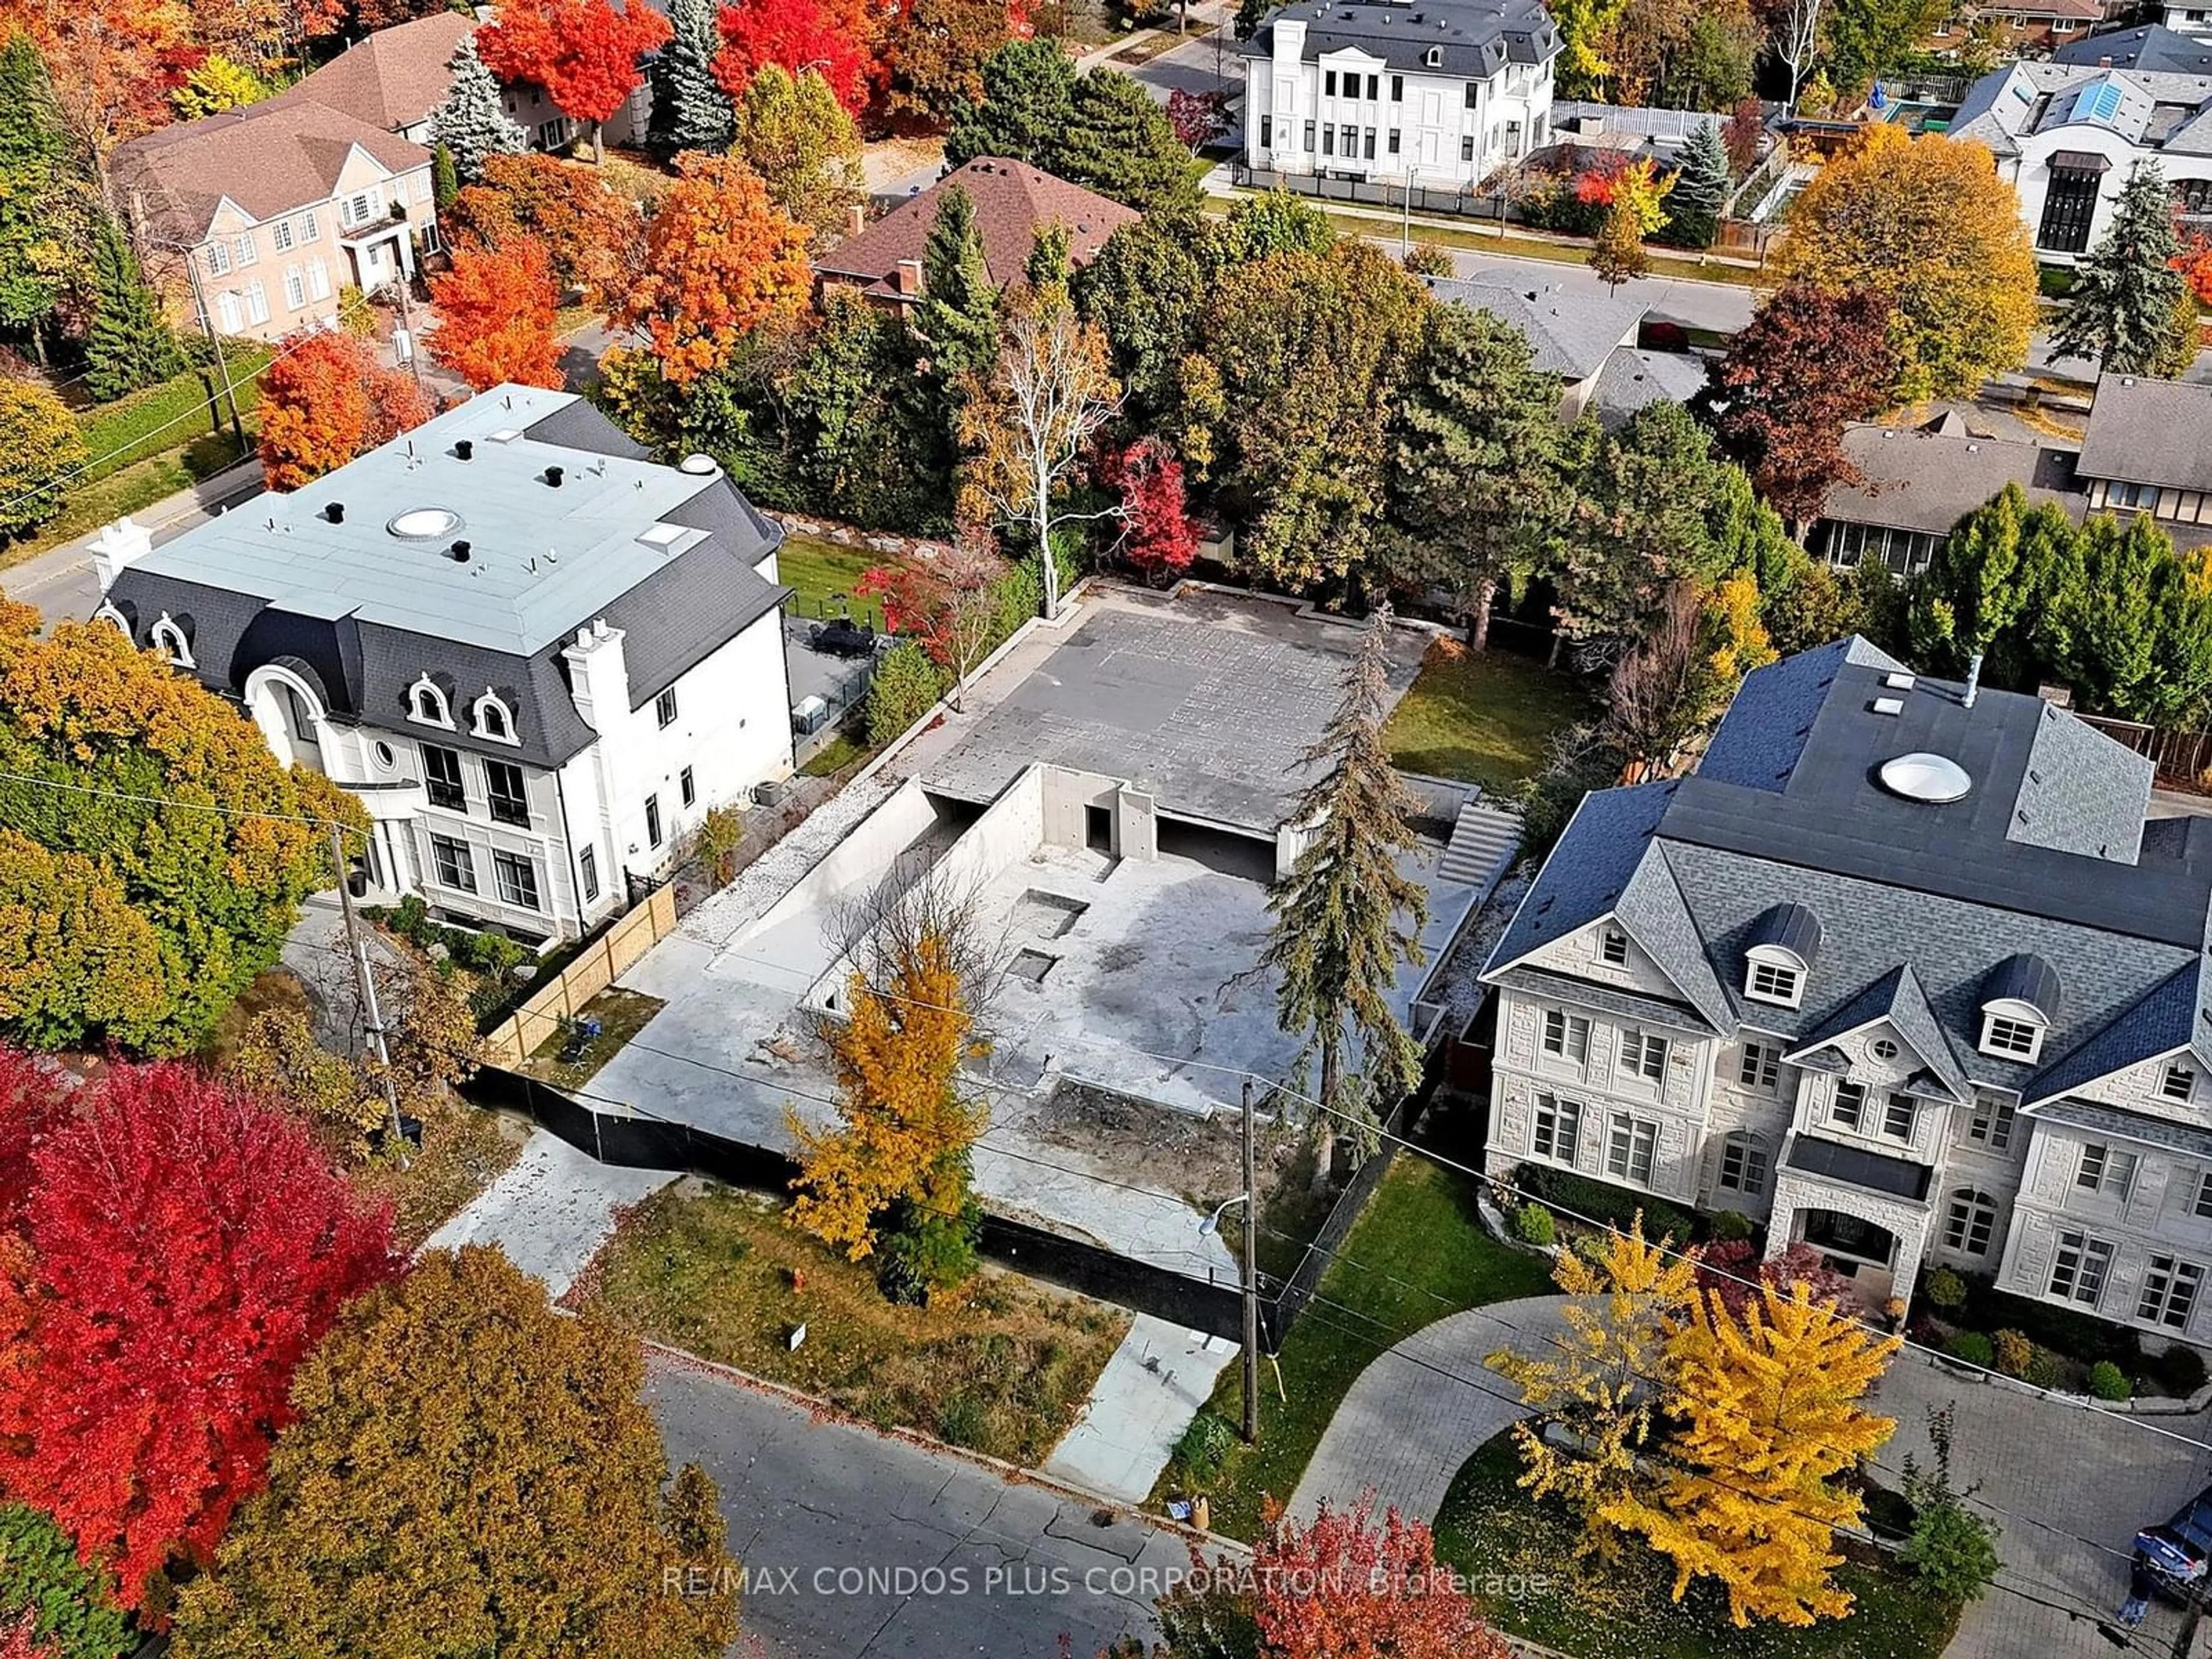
{"x":1973,"y":680}
{"x":465,"y":448}
{"x":334,"y":512}
{"x":553,"y":476}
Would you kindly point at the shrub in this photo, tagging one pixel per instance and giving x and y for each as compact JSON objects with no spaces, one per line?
{"x":1427,"y":259}
{"x":1952,"y":1550}
{"x":1731,"y":1227}
{"x":2108,"y":1381}
{"x":1972,"y":1346}
{"x":1203,"y":1448}
{"x":720,"y":832}
{"x":1946,"y":1291}
{"x":2044,"y":1370}
{"x":2178,"y":1371}
{"x":1532,"y":1225}
{"x":2015,"y":1353}
{"x":77,"y":1618}
{"x":906,"y":686}
{"x":1579,"y":1197}
{"x":925,"y":1252}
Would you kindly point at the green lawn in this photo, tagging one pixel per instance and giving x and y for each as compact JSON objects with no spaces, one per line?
{"x":1520,"y":1554}
{"x":824,"y":573}
{"x":1417,"y":1253}
{"x":1485,"y":718}
{"x":132,"y":489}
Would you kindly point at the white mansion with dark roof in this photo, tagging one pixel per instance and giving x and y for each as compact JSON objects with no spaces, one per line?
{"x":1903,"y":971}
{"x":535,"y":657}
{"x":1442,"y":92}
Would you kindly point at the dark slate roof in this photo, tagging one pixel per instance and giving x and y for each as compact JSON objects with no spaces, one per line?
{"x":684,"y":606}
{"x":1610,"y":998}
{"x":2148,"y":46}
{"x":1475,"y":37}
{"x":1877,"y":1172}
{"x":1919,"y":904}
{"x":2024,"y":977}
{"x":2151,"y":432}
{"x":1790,"y":927}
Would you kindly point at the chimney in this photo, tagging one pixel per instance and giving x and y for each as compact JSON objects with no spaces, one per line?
{"x":598,"y":675}
{"x":908,"y":277}
{"x":1973,"y":680}
{"x":856,"y":219}
{"x":464,"y":448}
{"x":118,"y":547}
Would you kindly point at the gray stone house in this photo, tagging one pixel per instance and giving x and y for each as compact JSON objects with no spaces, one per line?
{"x":1903,"y":972}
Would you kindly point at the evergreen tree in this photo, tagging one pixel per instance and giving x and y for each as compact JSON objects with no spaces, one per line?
{"x":2121,"y":311}
{"x":691,"y":111}
{"x":1029,"y":102}
{"x":1143,"y":290}
{"x":129,"y":343}
{"x":958,"y":316}
{"x":1479,"y":477}
{"x":471,"y":124}
{"x":1693,"y":206}
{"x":445,"y":181}
{"x":1119,"y":142}
{"x":1345,"y":916}
{"x":34,"y":251}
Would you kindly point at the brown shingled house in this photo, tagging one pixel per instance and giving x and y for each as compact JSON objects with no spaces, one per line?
{"x":279,"y":205}
{"x":395,"y":79}
{"x":1013,"y":202}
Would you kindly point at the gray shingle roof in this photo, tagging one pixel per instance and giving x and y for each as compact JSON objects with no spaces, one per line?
{"x":2149,"y":46}
{"x":1472,"y":38}
{"x":2109,"y":1121}
{"x":1896,"y":997}
{"x":1570,"y":332}
{"x":1632,"y":379}
{"x":2164,"y":1021}
{"x":2152,"y":432}
{"x":369,"y":634}
{"x":1929,"y":481}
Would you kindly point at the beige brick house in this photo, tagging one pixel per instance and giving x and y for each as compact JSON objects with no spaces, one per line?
{"x":277,"y":207}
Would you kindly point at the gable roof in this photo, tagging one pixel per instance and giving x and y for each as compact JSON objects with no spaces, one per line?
{"x":2150,"y":432}
{"x":2163,"y":1021}
{"x":1924,"y":479}
{"x":2150,"y":46}
{"x":1571,"y":332}
{"x":1013,"y":202}
{"x":1896,"y":999}
{"x":394,"y":78}
{"x":269,"y":159}
{"x":1472,"y":38}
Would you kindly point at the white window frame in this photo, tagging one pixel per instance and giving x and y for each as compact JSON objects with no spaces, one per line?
{"x":1753,"y":1164}
{"x":1895,"y":1103}
{"x":1555,"y":1129}
{"x":1854,"y":1118}
{"x":165,"y":637}
{"x":2012,"y":1030}
{"x":1992,"y":1122}
{"x":1969,"y":1213}
{"x":2180,"y":1082}
{"x":1759,"y":1065}
{"x":319,"y":279}
{"x":218,"y":259}
{"x":2171,"y":1285}
{"x":243,"y":251}
{"x":2080,"y":1268}
{"x":281,"y":236}
{"x":295,"y":288}
{"x":2202,"y":1205}
{"x":311,"y":227}
{"x":1631,"y":1147}
{"x":2107,"y":1170}
{"x":1613,"y":947}
{"x":1566,"y":1037}
{"x":229,"y":318}
{"x":465,"y":863}
{"x":1772,"y":975}
{"x":257,"y":302}
{"x":425,"y":692}
{"x":1644,"y":1055}
{"x":490,"y":701}
{"x":514,"y":875}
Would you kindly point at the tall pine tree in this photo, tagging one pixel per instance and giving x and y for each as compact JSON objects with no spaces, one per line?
{"x":2122,"y":310}
{"x":129,"y":343}
{"x":1028,"y":99}
{"x":958,"y":316}
{"x":691,"y":111}
{"x":1478,"y":489}
{"x":35,"y":251}
{"x":1119,"y":142}
{"x":1701,"y":185}
{"x":1346,"y":917}
{"x":470,"y":123}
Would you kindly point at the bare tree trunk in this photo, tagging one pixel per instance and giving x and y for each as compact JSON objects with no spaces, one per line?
{"x":1325,"y":1124}
{"x":1558,"y":645}
{"x":1478,"y":615}
{"x":598,"y":145}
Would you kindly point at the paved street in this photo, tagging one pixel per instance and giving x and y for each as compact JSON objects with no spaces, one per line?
{"x":60,"y":582}
{"x":859,"y":1546}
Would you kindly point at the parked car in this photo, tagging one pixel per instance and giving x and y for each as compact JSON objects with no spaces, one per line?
{"x":2178,"y":1551}
{"x":843,"y":638}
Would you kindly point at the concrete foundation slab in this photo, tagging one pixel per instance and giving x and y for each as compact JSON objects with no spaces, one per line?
{"x":551,"y":1211}
{"x":1138,"y":1408}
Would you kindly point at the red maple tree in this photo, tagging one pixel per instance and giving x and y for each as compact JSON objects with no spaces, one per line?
{"x":835,"y":37}
{"x":19,"y":1638}
{"x":1198,"y":117}
{"x":1729,"y":1270}
{"x":583,"y":52}
{"x":33,"y":1104}
{"x":326,"y":399}
{"x":1159,"y":537}
{"x":186,"y":1245}
{"x":495,"y":315}
{"x":1347,"y":1587}
{"x":2194,"y":262}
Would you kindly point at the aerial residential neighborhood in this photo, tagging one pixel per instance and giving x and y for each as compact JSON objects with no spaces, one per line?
{"x":1119,"y":830}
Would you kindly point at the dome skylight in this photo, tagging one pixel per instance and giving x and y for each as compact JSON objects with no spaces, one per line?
{"x":424,"y":524}
{"x":1934,"y":779}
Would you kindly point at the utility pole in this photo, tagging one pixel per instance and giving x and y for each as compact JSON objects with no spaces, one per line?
{"x":365,"y":982}
{"x":214,"y":348}
{"x":1251,"y":1278}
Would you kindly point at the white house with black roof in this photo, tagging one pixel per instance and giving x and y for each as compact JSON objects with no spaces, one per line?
{"x":1439,"y":93}
{"x":537,"y":657}
{"x":1902,"y":971}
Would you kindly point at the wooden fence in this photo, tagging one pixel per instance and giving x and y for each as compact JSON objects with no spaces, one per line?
{"x":595,"y":968}
{"x":2182,"y":758}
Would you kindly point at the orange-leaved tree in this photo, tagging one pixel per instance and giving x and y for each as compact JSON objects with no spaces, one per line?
{"x":1770,"y":1401}
{"x":495,"y":315}
{"x":584,"y":53}
{"x":326,"y":399}
{"x":594,"y":236}
{"x":905,"y":1122}
{"x":720,"y":260}
{"x":835,"y":37}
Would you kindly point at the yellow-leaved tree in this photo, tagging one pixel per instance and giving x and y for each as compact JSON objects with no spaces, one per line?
{"x":1605,"y":1386}
{"x":905,"y":1123}
{"x":1771,"y":1402}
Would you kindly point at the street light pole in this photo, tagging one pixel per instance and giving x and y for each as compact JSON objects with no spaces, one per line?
{"x":1251,"y":1279}
{"x":365,"y":984}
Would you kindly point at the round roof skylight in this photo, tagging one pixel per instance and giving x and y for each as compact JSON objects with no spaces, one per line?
{"x":424,"y":524}
{"x":1935,"y":779}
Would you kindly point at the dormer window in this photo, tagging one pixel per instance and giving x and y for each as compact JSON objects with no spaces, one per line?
{"x":1774,"y":979}
{"x":1778,"y":954}
{"x":1613,"y":948}
{"x":426,"y":702}
{"x":169,"y":638}
{"x":2180,"y":1082}
{"x":1435,"y":57}
{"x":494,"y":720}
{"x":2008,"y":1037}
{"x":2020,"y":1000}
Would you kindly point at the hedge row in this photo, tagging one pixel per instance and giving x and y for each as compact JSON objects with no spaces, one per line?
{"x":169,"y":415}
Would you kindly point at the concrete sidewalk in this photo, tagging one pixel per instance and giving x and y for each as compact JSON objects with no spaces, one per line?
{"x":1138,"y":1408}
{"x":551,"y":1212}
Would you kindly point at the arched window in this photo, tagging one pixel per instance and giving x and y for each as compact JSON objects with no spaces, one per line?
{"x":165,"y":637}
{"x":494,"y":720}
{"x":108,"y":613}
{"x":1745,"y":1165}
{"x":1971,"y":1223}
{"x":427,"y":703}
